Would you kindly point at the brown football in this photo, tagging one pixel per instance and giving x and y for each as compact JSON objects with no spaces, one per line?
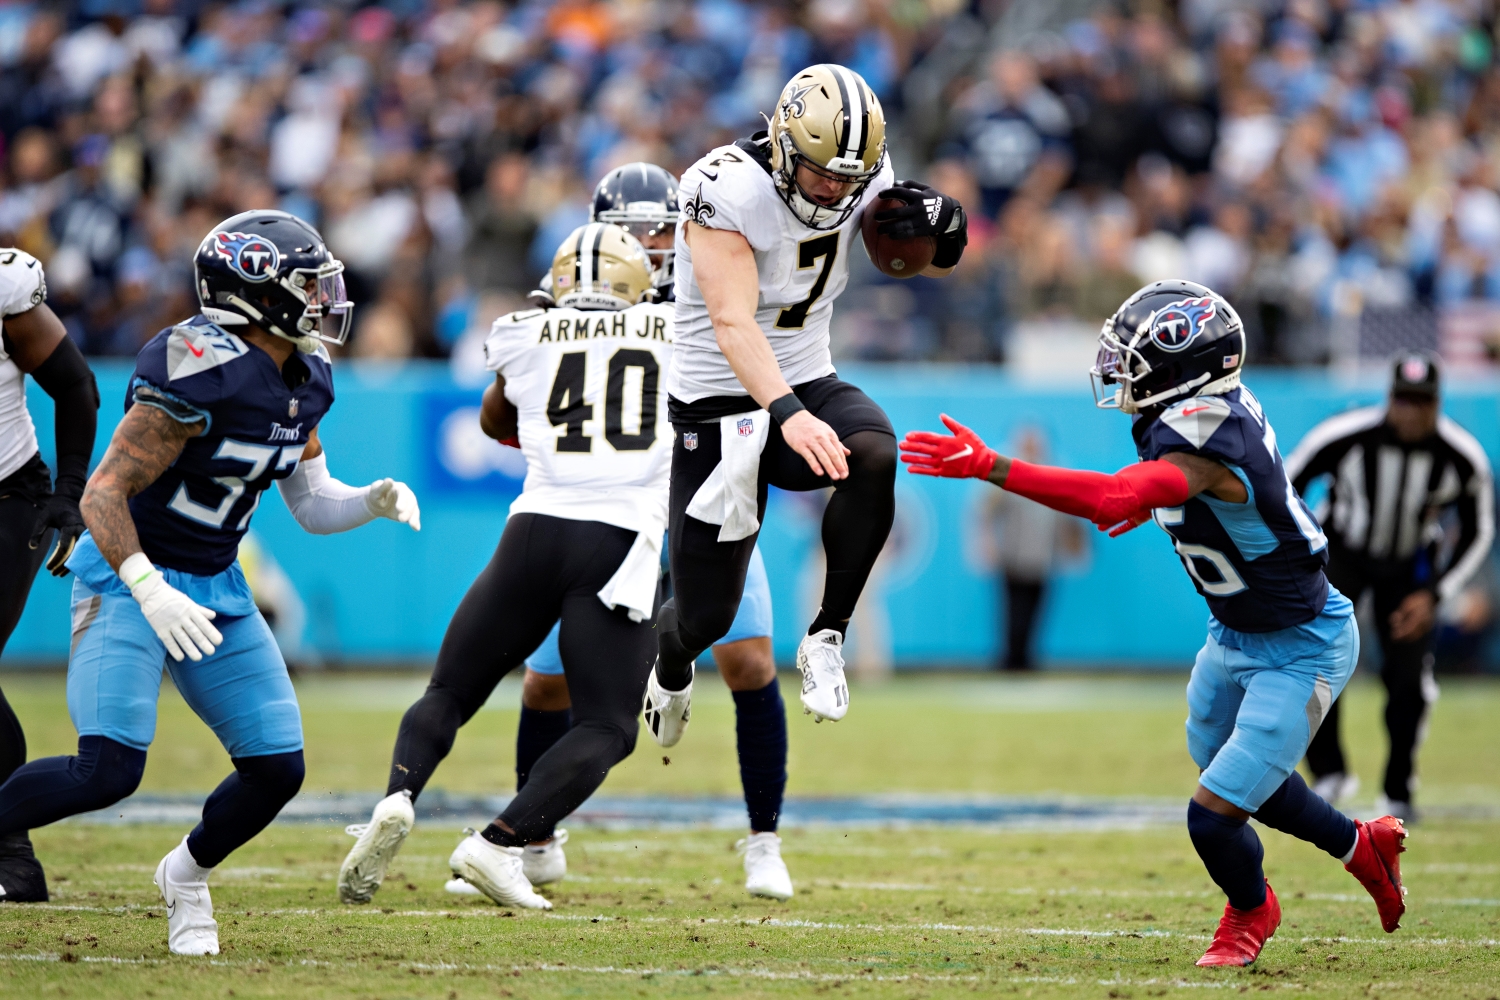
{"x":897,"y":258}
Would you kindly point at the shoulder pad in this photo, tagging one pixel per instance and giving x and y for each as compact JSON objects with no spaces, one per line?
{"x":194,"y":348}
{"x":23,"y":284}
{"x":1196,"y":419}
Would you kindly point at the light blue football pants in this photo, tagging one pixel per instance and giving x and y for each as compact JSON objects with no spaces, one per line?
{"x":242,"y":691}
{"x":1249,"y":720}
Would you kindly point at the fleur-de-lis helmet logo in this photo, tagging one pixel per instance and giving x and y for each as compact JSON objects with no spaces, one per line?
{"x":793,"y":106}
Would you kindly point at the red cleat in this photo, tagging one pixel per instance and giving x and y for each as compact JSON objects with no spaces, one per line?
{"x":1377,"y":865}
{"x":1243,"y":933}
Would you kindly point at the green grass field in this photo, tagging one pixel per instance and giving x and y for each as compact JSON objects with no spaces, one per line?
{"x":918,"y":912}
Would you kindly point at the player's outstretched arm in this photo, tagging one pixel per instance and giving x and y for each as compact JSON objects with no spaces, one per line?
{"x":324,"y":506}
{"x":1116,"y":503}
{"x":724,"y":266}
{"x":146,"y":442}
{"x":40,"y":347}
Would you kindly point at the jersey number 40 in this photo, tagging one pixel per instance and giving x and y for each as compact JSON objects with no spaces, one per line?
{"x":566,"y":405}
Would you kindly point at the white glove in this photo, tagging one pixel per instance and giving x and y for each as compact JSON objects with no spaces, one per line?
{"x":182,"y":625}
{"x":388,"y":498}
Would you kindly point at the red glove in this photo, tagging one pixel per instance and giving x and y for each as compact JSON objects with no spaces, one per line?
{"x":962,"y":456}
{"x":514,"y":441}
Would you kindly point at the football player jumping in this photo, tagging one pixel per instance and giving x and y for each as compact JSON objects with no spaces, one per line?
{"x":33,"y":342}
{"x":212,"y":418}
{"x":641,"y":198}
{"x":581,"y":387}
{"x":1281,"y":642}
{"x":762,"y":252}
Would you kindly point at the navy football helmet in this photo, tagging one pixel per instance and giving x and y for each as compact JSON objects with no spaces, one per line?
{"x":640,"y":198}
{"x":1169,"y":341}
{"x":272,"y":269}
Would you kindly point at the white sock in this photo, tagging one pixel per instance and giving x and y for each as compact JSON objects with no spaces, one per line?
{"x":182,"y":868}
{"x":1349,"y":855}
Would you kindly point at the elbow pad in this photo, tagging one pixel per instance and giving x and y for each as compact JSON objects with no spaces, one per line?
{"x":1104,"y":499}
{"x":66,"y":377}
{"x":320,"y":503}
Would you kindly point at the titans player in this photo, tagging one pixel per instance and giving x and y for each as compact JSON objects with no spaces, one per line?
{"x":219,"y":407}
{"x":1281,"y":642}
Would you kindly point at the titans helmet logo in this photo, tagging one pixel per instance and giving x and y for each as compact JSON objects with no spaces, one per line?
{"x":252,"y":257}
{"x":1176,"y":326}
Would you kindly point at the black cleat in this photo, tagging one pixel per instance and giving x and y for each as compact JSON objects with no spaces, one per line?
{"x":21,"y":877}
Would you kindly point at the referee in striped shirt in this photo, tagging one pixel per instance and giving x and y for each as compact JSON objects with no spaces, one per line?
{"x":1410,"y":517}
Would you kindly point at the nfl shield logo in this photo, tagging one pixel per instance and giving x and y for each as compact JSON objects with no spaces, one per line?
{"x":291,"y":407}
{"x":690,"y":440}
{"x":745,"y":426}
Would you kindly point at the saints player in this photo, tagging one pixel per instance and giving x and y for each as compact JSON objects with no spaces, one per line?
{"x":33,"y":342}
{"x":212,"y":418}
{"x":763,"y":249}
{"x":581,"y":388}
{"x":641,"y":198}
{"x":1281,"y":641}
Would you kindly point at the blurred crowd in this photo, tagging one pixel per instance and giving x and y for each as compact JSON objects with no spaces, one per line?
{"x":1305,"y":157}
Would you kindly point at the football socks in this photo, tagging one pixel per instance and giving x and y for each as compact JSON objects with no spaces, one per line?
{"x":535,"y":735}
{"x":53,"y":788}
{"x":1294,"y":809}
{"x":244,"y":804}
{"x":1232,"y":854}
{"x":760,"y":732}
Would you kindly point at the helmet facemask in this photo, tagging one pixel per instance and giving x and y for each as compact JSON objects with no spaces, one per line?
{"x":647,"y":220}
{"x":327,"y":313}
{"x":809,"y":211}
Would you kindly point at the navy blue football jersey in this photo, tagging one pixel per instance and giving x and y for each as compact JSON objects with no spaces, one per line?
{"x":1260,"y":563}
{"x":191,"y":518}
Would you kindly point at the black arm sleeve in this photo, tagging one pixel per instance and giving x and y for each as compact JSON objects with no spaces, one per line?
{"x":66,"y":377}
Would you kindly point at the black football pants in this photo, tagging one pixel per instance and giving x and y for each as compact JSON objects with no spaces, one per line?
{"x":21,"y":497}
{"x":708,"y":576}
{"x":1406,"y":671}
{"x":545,"y":568}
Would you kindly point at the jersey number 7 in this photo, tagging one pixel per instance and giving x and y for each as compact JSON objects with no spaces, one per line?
{"x":566,"y":405}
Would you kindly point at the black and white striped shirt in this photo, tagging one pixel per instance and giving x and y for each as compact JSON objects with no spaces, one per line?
{"x":1387,"y":498}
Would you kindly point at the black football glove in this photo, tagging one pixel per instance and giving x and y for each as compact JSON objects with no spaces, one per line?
{"x":927,"y":212}
{"x":60,"y":512}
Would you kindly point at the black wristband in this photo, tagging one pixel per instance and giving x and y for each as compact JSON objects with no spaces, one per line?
{"x":786,"y":407}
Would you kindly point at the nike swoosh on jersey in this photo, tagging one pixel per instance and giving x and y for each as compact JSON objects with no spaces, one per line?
{"x":197,"y":352}
{"x":1200,"y":409}
{"x":968,"y":450}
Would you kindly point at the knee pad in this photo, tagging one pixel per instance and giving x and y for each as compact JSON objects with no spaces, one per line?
{"x":110,"y":770}
{"x":279,"y":775}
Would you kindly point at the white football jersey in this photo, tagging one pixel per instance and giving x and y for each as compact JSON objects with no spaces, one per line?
{"x":22,"y":287}
{"x":589,"y":388}
{"x":802,"y":270}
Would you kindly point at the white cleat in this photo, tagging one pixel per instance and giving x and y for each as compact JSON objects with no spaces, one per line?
{"x":666,"y":712}
{"x":459,"y":887}
{"x":379,"y":842}
{"x":543,"y":863}
{"x":191,"y":928}
{"x":496,"y":871}
{"x":825,"y":693}
{"x":1336,"y":787}
{"x":765,"y":872}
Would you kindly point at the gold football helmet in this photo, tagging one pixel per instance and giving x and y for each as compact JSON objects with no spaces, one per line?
{"x":601,"y":266}
{"x":829,"y":121}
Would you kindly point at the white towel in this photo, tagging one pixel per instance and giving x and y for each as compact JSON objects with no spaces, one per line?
{"x":728,"y":496}
{"x":633,"y":586}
